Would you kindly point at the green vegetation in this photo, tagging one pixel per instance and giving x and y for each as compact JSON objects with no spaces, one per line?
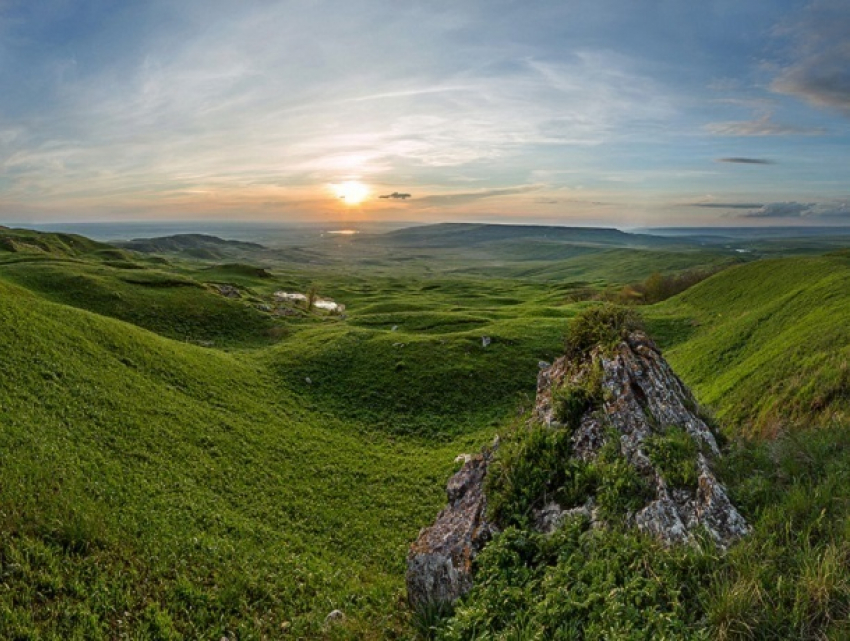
{"x":155,"y":488}
{"x":789,"y":579}
{"x":582,"y":583}
{"x":528,"y":467}
{"x":674,"y":453}
{"x":767,"y":344}
{"x":532,"y":467}
{"x":188,"y":489}
{"x":603,"y":325}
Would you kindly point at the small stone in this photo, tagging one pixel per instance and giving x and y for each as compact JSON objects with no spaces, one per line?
{"x":485,"y":341}
{"x":395,"y":328}
{"x":335,"y":616}
{"x":543,"y":364}
{"x":308,"y":380}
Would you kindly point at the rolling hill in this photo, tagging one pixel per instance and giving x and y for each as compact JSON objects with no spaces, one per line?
{"x":155,"y":488}
{"x":768,"y":342}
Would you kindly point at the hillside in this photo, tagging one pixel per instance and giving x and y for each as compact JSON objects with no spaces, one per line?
{"x":768,"y":343}
{"x":187,"y":489}
{"x":250,"y":487}
{"x":195,"y":245}
{"x":471,"y":234}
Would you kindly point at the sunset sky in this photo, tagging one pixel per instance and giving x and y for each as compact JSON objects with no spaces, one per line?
{"x":626,"y":113}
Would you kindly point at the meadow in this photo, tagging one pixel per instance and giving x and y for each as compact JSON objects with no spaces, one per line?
{"x":179,"y":464}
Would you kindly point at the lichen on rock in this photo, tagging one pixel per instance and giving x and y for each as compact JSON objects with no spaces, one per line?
{"x":642,"y":400}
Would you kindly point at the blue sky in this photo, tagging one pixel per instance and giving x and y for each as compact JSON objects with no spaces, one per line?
{"x":625,"y":113}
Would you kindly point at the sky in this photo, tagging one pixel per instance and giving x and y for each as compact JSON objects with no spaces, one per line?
{"x":572,"y":112}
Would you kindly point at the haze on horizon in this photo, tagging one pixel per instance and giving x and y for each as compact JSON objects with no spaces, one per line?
{"x":575,"y":113}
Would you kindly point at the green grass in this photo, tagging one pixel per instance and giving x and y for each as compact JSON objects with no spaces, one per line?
{"x":182,"y":492}
{"x":767,"y":344}
{"x":165,"y":302}
{"x":789,"y":579}
{"x":156,"y":489}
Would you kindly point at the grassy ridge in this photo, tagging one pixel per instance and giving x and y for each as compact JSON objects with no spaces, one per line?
{"x":165,"y":302}
{"x":768,"y":343}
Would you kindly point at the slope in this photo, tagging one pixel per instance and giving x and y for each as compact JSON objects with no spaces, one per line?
{"x":146,"y":291}
{"x":161,"y":490}
{"x":766,"y":344}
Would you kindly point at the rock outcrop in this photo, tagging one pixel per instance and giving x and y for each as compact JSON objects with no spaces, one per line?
{"x":641,"y":397}
{"x":439,"y":564}
{"x":638,"y":400}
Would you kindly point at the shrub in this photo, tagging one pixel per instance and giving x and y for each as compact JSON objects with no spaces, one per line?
{"x":582,"y":583}
{"x":572,"y":400}
{"x":530,"y":464}
{"x":569,"y":404}
{"x":604,"y":325}
{"x":674,"y":453}
{"x":620,"y":488}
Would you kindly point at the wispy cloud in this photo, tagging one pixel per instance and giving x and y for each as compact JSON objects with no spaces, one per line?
{"x":820,"y":73}
{"x":779,"y":210}
{"x":711,"y":205}
{"x":821,"y":210}
{"x":762,"y":126}
{"x":746,"y":161}
{"x":468,"y":197}
{"x":231,"y":107}
{"x":203,"y":106}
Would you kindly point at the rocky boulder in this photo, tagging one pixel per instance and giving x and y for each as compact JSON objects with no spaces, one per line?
{"x":642,"y":400}
{"x":439,"y":564}
{"x":625,"y":396}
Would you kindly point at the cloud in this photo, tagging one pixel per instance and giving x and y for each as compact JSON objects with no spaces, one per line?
{"x":728,"y":205}
{"x":820,"y":73}
{"x":822,"y":210}
{"x":838,"y":209}
{"x":468,"y":197}
{"x":746,"y":161}
{"x":779,"y":210}
{"x":762,"y":126}
{"x":396,"y":196}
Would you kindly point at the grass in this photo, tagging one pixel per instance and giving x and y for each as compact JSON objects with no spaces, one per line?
{"x":185,"y":488}
{"x":767,"y":345}
{"x":156,"y":489}
{"x":788,"y":579}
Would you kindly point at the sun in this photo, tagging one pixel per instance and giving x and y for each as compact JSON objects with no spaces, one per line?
{"x":352,"y":192}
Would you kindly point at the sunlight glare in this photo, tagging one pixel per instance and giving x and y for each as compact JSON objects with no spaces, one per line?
{"x":352,"y":192}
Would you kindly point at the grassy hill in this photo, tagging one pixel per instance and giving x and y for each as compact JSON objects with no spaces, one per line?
{"x":157,"y":489}
{"x":172,"y":491}
{"x":470,"y":234}
{"x":768,"y":343}
{"x":201,"y":246}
